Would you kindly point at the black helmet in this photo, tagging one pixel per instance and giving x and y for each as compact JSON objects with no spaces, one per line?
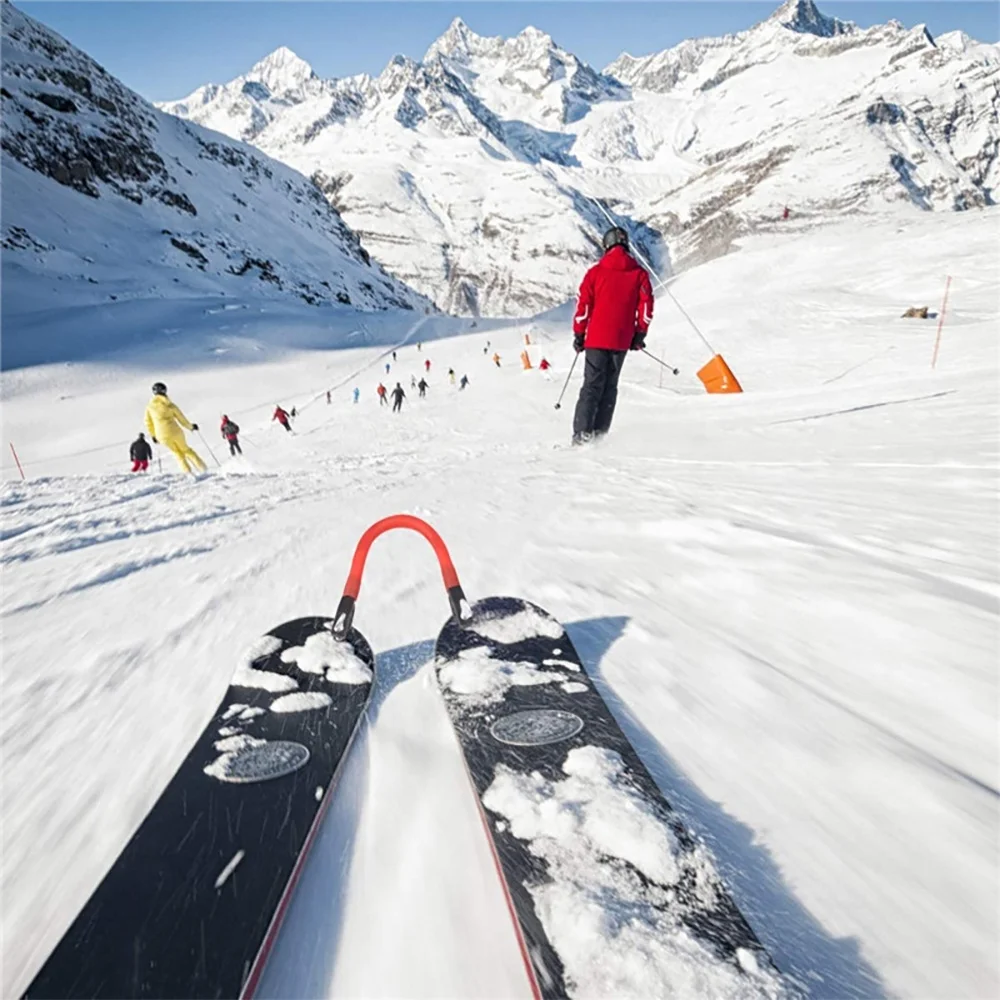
{"x":615,"y":237}
{"x":159,"y":389}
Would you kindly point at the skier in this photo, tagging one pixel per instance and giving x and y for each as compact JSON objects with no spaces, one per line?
{"x":463,"y":383}
{"x":413,"y":381}
{"x":612,"y":316}
{"x":140,"y":453}
{"x":544,"y":365}
{"x":231,"y":433}
{"x":294,"y":413}
{"x":282,"y":417}
{"x":451,"y":375}
{"x":427,"y":365}
{"x":328,"y":397}
{"x":357,"y":394}
{"x":164,"y":421}
{"x":496,"y":360}
{"x":397,"y":398}
{"x":382,"y":401}
{"x":422,"y":386}
{"x":786,"y":213}
{"x":387,"y":367}
{"x":393,"y":357}
{"x":420,"y":346}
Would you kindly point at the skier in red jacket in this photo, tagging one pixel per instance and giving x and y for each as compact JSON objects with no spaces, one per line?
{"x":282,"y":417}
{"x":612,"y":317}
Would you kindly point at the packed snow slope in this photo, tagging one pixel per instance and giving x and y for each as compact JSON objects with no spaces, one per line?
{"x":789,"y":598}
{"x":106,"y":199}
{"x":472,"y":173}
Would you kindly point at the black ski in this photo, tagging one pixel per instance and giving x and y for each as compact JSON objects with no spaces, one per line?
{"x":193,"y":903}
{"x":521,"y":704}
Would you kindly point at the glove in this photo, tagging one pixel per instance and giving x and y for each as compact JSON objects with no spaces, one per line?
{"x":194,"y":427}
{"x":155,"y":441}
{"x":578,"y":342}
{"x":638,"y":341}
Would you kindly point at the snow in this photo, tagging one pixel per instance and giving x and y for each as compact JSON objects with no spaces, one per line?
{"x":301,"y":701}
{"x":795,"y":620}
{"x":610,"y":861}
{"x":524,"y":624}
{"x":230,"y":868}
{"x":246,"y":675}
{"x":322,"y":652}
{"x":481,"y":679}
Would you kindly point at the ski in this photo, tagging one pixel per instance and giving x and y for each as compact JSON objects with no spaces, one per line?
{"x":193,"y":903}
{"x":611,"y":895}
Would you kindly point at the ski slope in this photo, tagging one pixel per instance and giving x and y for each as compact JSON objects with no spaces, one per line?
{"x":789,"y":598}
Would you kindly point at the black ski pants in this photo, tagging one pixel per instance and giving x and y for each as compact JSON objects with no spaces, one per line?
{"x":599,"y":392}
{"x":397,"y":405}
{"x":234,"y":446}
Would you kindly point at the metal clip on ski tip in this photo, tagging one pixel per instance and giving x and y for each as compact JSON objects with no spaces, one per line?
{"x":456,"y":598}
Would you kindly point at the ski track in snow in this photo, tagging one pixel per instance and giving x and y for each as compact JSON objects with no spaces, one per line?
{"x":796,"y":622}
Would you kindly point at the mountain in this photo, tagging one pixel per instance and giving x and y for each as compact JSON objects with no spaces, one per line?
{"x":483,"y":174}
{"x":105,"y":197}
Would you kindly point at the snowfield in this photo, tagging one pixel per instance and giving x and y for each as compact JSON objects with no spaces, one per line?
{"x":789,"y":598}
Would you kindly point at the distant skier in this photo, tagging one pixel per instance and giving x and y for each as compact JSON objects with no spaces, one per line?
{"x":612,"y":316}
{"x":140,"y":453}
{"x":393,"y":357}
{"x":786,"y":213}
{"x":451,"y":375}
{"x":357,"y":394}
{"x":420,"y":346}
{"x":328,"y":400}
{"x":231,"y":433}
{"x":294,"y":413}
{"x":422,"y":386}
{"x":413,"y":381}
{"x":164,"y":421}
{"x":496,"y":360}
{"x":382,"y":401}
{"x":427,"y":365}
{"x":282,"y":417}
{"x":486,"y":349}
{"x":397,"y":398}
{"x":387,"y":367}
{"x":463,"y":383}
{"x":544,"y":365}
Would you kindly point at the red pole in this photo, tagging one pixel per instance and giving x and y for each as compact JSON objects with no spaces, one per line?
{"x":16,"y":459}
{"x":944,"y":305}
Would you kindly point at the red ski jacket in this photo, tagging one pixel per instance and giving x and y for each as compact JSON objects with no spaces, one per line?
{"x":616,"y":300}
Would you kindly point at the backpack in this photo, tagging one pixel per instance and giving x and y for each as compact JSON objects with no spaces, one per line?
{"x":230,"y":429}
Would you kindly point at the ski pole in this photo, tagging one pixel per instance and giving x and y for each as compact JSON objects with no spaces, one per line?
{"x":209,"y":447}
{"x":676,"y":371}
{"x":566,"y":383}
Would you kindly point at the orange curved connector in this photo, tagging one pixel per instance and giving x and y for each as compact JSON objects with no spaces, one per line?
{"x":345,"y":612}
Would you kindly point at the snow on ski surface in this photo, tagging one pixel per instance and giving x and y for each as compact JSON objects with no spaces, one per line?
{"x":322,"y":652}
{"x":789,"y":597}
{"x":577,"y":825}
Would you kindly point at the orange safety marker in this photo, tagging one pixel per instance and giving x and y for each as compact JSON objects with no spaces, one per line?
{"x":937,"y":339}
{"x":525,"y":360}
{"x":16,"y":459}
{"x":527,"y":339}
{"x":717,"y":376}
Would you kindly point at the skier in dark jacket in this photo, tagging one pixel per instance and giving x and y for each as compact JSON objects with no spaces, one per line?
{"x":140,"y":453}
{"x":464,"y":382}
{"x":397,"y":398}
{"x":612,"y":316}
{"x":231,"y":433}
{"x":422,"y":386}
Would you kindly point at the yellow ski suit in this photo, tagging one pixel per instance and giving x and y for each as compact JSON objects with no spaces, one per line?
{"x":164,"y":421}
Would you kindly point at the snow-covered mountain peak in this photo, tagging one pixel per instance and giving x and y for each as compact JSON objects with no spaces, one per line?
{"x":805,"y":17}
{"x":281,"y":71}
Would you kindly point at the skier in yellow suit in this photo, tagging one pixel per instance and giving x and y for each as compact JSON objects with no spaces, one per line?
{"x":164,"y":421}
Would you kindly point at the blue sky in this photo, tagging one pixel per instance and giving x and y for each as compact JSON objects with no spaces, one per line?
{"x":166,"y":50}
